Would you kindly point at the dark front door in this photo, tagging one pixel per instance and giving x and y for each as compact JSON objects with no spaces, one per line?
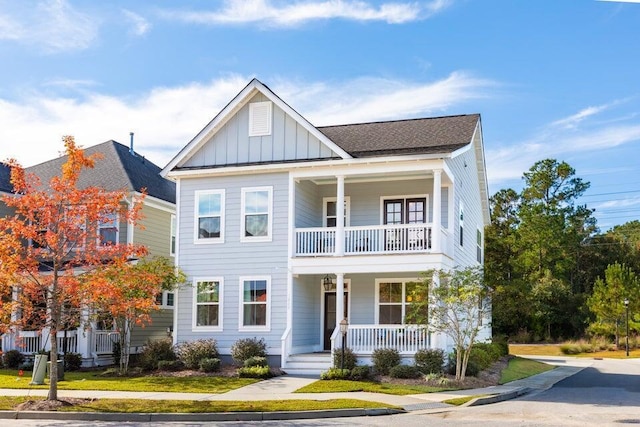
{"x":330,"y":316}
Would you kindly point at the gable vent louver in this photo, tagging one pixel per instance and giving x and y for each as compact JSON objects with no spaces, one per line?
{"x":260,"y":118}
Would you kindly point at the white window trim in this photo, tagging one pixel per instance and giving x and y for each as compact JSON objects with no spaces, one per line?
{"x":269,"y":235}
{"x":480,"y":245}
{"x":196,"y":234}
{"x":173,"y":237}
{"x":165,"y":298}
{"x":194,"y":304}
{"x":347,"y":202}
{"x":252,"y":107}
{"x":253,"y":328}
{"x":405,"y":197}
{"x":404,"y":282}
{"x":99,"y":227}
{"x":461,"y":224}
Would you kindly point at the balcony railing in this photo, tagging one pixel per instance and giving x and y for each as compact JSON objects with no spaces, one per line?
{"x":365,"y":240}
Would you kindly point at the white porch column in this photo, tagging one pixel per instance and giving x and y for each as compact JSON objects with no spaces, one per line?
{"x":339,"y":299}
{"x":339,"y":249}
{"x":437,"y":209}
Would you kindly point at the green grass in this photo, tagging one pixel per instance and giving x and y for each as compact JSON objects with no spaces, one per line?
{"x":458,"y":401}
{"x":554,"y":350}
{"x":197,"y":406}
{"x":519,"y":368}
{"x":94,"y":381}
{"x":336,"y":386}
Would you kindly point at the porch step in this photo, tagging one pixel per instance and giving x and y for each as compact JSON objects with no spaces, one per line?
{"x":307,"y":364}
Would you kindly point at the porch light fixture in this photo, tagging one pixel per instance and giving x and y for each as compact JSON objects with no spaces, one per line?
{"x":328,"y":283}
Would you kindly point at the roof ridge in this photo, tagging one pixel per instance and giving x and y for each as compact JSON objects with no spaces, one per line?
{"x":399,"y":120}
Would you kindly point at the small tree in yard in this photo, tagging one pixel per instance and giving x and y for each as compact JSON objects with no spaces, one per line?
{"x":456,"y":305}
{"x":50,"y":247}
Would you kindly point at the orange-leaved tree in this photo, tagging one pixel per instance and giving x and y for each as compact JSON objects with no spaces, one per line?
{"x":52,"y":241}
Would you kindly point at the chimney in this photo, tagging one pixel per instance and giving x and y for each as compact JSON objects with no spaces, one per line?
{"x":133,"y":153}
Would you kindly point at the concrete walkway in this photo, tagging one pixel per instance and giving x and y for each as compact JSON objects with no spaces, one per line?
{"x":283,"y":388}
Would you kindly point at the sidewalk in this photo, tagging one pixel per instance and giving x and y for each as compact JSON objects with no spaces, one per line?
{"x":283,"y":388}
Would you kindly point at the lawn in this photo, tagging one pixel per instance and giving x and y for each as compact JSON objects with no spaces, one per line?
{"x":93,"y":380}
{"x":193,"y":406}
{"x":519,"y":368}
{"x":554,"y":350}
{"x":332,"y":386}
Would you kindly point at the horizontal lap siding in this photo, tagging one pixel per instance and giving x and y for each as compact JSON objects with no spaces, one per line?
{"x":306,"y":315}
{"x":233,"y":258}
{"x":308,"y":205}
{"x":156,"y":234}
{"x":155,"y":330}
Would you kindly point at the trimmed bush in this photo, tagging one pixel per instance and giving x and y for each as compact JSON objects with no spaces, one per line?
{"x":481,"y":358}
{"x":473,"y":369}
{"x":360,"y":373}
{"x":493,"y":351}
{"x":430,"y":361}
{"x":72,"y":361}
{"x":256,"y":361}
{"x":210,"y":365}
{"x":170,"y":365}
{"x":384,"y":359}
{"x":246,"y":348}
{"x":255,"y":372}
{"x":153,"y":352}
{"x":336,"y":374}
{"x":404,"y":371}
{"x":13,"y":359}
{"x":502,"y":344}
{"x":350,"y":358}
{"x":191,"y":353}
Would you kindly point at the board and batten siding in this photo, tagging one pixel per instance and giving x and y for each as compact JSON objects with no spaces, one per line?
{"x":232,"y":259}
{"x":232,"y":145}
{"x":156,"y":231}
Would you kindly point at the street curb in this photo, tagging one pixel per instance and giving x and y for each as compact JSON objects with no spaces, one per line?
{"x":208,"y":416}
{"x":486,"y":400}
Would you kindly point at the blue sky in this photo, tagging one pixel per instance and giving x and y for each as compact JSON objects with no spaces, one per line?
{"x":557,"y":79}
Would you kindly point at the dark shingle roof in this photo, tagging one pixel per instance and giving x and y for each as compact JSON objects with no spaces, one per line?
{"x":414,"y":136}
{"x":5,"y":178}
{"x":116,"y":170}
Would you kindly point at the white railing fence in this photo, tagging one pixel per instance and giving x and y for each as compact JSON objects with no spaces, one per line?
{"x":103,"y":341}
{"x":68,"y":342}
{"x":364,"y":339}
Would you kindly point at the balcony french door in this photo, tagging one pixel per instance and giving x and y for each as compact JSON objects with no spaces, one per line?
{"x":405,"y":211}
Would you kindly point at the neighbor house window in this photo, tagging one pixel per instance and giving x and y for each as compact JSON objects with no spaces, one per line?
{"x":172,"y":243}
{"x":108,"y":230}
{"x":207,"y":313}
{"x":165,"y":299}
{"x":479,"y":246}
{"x":393,"y":298}
{"x":209,"y":219}
{"x":256,"y":214}
{"x":254,"y":302}
{"x":260,"y":118}
{"x":461,"y":222}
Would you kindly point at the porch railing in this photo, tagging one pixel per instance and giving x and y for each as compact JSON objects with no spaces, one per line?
{"x":68,"y":342}
{"x":404,"y":338}
{"x":374,"y":239}
{"x":103,"y":341}
{"x":27,"y":342}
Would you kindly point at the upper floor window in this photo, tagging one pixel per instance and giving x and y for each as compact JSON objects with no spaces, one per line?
{"x":207,"y":312}
{"x":172,"y":243}
{"x":256,"y":214}
{"x":255,"y":296}
{"x":209,"y":219}
{"x":331,"y":211}
{"x":108,"y":230}
{"x":260,"y":118}
{"x":165,"y":299}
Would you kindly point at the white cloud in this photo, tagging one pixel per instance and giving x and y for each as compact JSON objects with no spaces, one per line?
{"x":140,"y":26}
{"x":166,"y":118}
{"x":236,"y":12}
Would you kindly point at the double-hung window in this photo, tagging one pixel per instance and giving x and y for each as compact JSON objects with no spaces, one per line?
{"x":256,"y":214}
{"x":207,"y":296}
{"x":108,"y":230}
{"x":393,"y":299}
{"x":172,"y":242}
{"x":209,"y":221}
{"x":255,"y":303}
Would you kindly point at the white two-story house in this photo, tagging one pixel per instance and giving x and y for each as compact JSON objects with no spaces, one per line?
{"x":285,"y":229}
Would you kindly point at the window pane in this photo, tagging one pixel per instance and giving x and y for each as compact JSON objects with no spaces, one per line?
{"x":409,"y":296}
{"x":170,"y":299}
{"x":331,"y":208}
{"x":390,"y":292}
{"x":255,"y":315}
{"x":256,"y":202}
{"x":390,"y":314}
{"x":256,"y":225}
{"x":255,"y":291}
{"x":209,"y":204}
{"x":331,"y":222}
{"x":207,"y":315}
{"x":208,"y":227}
{"x":108,"y":236}
{"x":208,"y":292}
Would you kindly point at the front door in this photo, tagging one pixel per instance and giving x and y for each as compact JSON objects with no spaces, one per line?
{"x":330,"y":316}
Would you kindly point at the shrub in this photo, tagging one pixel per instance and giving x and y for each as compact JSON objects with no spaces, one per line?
{"x":255,"y":372}
{"x":72,"y":361}
{"x":481,"y":358}
{"x":13,"y":359}
{"x":26,"y":366}
{"x":384,"y":359}
{"x":153,"y":352}
{"x":404,"y":371}
{"x":429,"y":361}
{"x":350,"y":358}
{"x":336,"y":374}
{"x":473,"y":369}
{"x":492,"y":350}
{"x":191,"y":353}
{"x":170,"y":365}
{"x":246,"y":348}
{"x":256,"y":361}
{"x":570,"y":348}
{"x":210,"y":365}
{"x":522,"y":337}
{"x":360,"y":373}
{"x":502,"y":344}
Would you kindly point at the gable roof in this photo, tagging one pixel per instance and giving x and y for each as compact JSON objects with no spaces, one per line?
{"x":5,"y":178}
{"x":414,"y":136}
{"x":117,"y":170}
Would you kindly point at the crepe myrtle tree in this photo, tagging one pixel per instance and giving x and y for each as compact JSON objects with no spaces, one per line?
{"x":50,"y":245}
{"x":455,"y":303}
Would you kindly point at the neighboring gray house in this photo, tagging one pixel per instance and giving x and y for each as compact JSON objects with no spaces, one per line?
{"x":120,"y":168}
{"x":277,"y":217}
{"x":5,"y":187}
